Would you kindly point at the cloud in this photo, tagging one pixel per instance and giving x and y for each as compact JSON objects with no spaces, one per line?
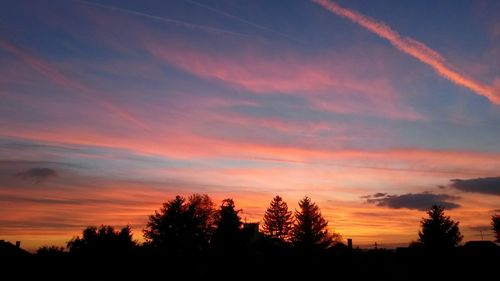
{"x":38,"y":174}
{"x":478,"y":185}
{"x":340,"y":88}
{"x":355,"y":84}
{"x":415,"y":201}
{"x":186,"y":145}
{"x":69,"y":84}
{"x":415,"y":49}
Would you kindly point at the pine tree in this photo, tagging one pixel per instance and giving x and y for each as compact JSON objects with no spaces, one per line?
{"x":439,"y":231}
{"x":495,"y":222}
{"x":278,"y":220}
{"x":311,"y":229}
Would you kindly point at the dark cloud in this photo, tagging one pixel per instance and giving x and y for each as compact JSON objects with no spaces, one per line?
{"x":38,"y":174}
{"x":416,"y":201}
{"x":376,"y":195}
{"x":478,"y":185}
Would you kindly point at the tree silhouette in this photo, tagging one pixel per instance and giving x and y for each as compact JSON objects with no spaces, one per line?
{"x":495,"y":222}
{"x":201,"y":210}
{"x":50,"y":251}
{"x":310,"y":230}
{"x":278,"y":220}
{"x":104,"y":240}
{"x":439,"y":231}
{"x":228,"y":232}
{"x":182,"y":227}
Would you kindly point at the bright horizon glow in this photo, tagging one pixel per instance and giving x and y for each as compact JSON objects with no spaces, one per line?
{"x":373,"y":110}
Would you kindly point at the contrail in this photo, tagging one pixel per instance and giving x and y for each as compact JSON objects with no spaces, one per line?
{"x":71,"y":85}
{"x":243,"y":20}
{"x":166,"y":20}
{"x":413,"y":48}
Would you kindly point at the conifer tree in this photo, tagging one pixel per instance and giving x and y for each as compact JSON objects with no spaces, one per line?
{"x":278,"y":220}
{"x":439,"y":231}
{"x":311,"y":229}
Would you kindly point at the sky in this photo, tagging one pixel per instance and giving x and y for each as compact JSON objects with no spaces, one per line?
{"x":374,"y":109}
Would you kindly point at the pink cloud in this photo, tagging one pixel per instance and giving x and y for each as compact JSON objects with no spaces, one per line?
{"x":337,"y":87}
{"x":183,"y":142}
{"x":334,"y":82}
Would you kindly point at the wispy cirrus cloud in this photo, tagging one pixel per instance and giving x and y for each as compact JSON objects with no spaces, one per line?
{"x":346,"y":87}
{"x":339,"y":87}
{"x":72,"y":85}
{"x":415,"y":49}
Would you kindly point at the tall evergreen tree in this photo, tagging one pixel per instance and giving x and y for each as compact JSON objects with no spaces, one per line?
{"x":310,"y":230}
{"x":495,"y":222}
{"x":278,"y":220}
{"x":439,"y":231}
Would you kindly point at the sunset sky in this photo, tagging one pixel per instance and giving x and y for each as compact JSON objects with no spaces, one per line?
{"x":374,"y":109}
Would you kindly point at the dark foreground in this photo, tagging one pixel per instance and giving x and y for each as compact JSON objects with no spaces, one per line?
{"x":480,"y":261}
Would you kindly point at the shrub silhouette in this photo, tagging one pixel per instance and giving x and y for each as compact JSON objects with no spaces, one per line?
{"x":50,"y":251}
{"x":439,"y":232}
{"x":278,"y":220}
{"x":104,"y":240}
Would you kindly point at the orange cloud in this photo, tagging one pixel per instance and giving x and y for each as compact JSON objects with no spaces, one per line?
{"x":415,"y":49}
{"x":63,"y":207}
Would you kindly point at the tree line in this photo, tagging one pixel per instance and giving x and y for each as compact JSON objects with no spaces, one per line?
{"x":193,"y":225}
